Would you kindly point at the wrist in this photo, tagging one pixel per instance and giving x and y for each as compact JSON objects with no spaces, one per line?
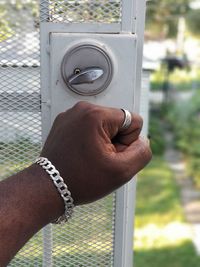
{"x":46,"y":200}
{"x":60,"y":186}
{"x":28,"y":201}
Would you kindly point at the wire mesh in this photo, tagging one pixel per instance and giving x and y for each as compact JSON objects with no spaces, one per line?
{"x":73,"y":11}
{"x":20,"y":127}
{"x":88,"y":239}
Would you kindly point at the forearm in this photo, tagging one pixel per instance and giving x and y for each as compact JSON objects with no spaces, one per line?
{"x":28,"y":201}
{"x":80,"y":145}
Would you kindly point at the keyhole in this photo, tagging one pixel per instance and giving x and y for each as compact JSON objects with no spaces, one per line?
{"x":77,"y":71}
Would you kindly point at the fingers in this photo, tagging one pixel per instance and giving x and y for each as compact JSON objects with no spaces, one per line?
{"x":134,"y":158}
{"x":113,"y":120}
{"x":129,"y":135}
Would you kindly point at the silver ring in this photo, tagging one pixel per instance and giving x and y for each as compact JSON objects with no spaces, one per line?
{"x":127,"y":120}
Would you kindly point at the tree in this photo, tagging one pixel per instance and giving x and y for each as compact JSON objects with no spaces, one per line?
{"x":163,"y":15}
{"x":193,"y":21}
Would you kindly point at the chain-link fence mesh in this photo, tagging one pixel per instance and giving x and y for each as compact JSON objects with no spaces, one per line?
{"x":20,"y":127}
{"x":88,"y":239}
{"x":73,"y":11}
{"x":20,"y":122}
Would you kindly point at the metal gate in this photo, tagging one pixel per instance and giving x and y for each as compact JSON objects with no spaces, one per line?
{"x":100,"y":234}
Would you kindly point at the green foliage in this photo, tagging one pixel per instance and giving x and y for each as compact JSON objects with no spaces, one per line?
{"x":181,"y":79}
{"x":162,"y":16}
{"x":185,"y":120}
{"x":194,"y":170}
{"x":157,"y":136}
{"x":193,"y":21}
{"x":157,"y":79}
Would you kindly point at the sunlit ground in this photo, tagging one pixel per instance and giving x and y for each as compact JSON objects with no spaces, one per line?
{"x":162,"y":237}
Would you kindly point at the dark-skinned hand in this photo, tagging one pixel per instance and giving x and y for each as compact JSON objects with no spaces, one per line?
{"x":91,"y":153}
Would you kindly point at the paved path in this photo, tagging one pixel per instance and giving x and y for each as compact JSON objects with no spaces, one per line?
{"x":190,"y":197}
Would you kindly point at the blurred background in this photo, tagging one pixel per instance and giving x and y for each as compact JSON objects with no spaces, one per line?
{"x":167,"y":231}
{"x":168,"y":195}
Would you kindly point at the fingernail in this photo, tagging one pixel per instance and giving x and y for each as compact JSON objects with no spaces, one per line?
{"x":149,"y":136}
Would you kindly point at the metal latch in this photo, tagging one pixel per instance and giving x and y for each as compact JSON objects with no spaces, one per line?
{"x":89,"y":75}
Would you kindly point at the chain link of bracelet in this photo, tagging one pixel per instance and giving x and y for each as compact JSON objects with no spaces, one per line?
{"x":61,"y":187}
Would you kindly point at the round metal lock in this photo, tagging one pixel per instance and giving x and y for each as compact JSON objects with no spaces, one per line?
{"x":87,"y":69}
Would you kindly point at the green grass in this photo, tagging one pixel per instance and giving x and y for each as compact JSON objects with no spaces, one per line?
{"x":162,"y":237}
{"x":179,"y":256}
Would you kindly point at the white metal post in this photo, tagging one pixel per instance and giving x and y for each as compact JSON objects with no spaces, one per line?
{"x":140,"y":25}
{"x":128,"y":15}
{"x":123,"y":246}
{"x":125,"y":197}
{"x":47,"y":247}
{"x":131,"y":27}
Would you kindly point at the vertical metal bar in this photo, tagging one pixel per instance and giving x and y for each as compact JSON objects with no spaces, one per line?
{"x":140,"y":25}
{"x":47,"y":247}
{"x":44,"y":17}
{"x":44,"y":10}
{"x":144,"y":103}
{"x":123,"y":246}
{"x":128,"y":8}
{"x":125,"y":197}
{"x":45,"y":79}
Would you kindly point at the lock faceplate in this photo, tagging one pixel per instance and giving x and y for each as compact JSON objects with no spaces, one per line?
{"x":95,"y":69}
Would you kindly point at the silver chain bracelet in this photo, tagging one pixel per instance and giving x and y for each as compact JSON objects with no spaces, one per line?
{"x":61,"y":187}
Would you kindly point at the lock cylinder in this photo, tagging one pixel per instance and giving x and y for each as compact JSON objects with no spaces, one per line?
{"x":87,"y":69}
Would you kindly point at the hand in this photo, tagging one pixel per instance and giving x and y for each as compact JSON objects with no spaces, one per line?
{"x":92,"y":156}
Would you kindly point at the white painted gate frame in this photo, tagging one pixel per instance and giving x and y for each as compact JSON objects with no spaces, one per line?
{"x":133,"y":21}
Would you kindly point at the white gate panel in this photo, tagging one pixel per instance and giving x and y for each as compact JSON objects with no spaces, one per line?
{"x":112,"y":224}
{"x":100,"y":234}
{"x":118,"y":38}
{"x":120,"y":92}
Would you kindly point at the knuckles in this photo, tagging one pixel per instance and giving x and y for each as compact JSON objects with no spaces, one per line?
{"x":89,"y":112}
{"x":59,"y":117}
{"x":145,"y":152}
{"x":82,"y":110}
{"x":82,"y":105}
{"x":143,"y":155}
{"x":138,"y":120}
